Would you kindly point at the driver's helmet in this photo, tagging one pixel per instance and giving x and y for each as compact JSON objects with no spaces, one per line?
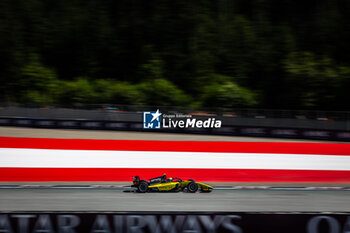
{"x":163,"y":179}
{"x":170,"y":179}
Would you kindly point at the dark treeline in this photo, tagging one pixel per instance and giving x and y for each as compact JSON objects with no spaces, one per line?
{"x":288,"y":54}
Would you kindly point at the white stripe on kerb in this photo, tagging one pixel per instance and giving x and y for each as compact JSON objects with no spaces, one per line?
{"x":142,"y":159}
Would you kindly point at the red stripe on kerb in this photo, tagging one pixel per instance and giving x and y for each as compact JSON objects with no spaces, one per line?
{"x":179,"y":146}
{"x":205,"y":175}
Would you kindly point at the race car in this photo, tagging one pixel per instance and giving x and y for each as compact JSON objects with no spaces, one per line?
{"x":175,"y":184}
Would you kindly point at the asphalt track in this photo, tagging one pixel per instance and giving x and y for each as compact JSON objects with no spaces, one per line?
{"x":218,"y":200}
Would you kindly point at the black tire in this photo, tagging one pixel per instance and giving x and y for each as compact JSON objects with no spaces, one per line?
{"x":192,"y":187}
{"x":143,"y":186}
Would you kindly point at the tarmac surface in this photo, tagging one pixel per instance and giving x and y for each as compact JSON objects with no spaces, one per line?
{"x":218,"y":200}
{"x":126,"y":135}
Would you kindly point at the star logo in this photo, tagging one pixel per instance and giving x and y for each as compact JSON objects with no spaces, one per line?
{"x":151,"y":120}
{"x":156,"y":115}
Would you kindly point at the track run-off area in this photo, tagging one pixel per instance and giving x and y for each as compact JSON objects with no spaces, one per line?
{"x":69,"y":160}
{"x":25,"y":159}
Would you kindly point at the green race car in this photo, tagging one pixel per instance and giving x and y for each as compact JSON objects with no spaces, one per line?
{"x":175,"y":184}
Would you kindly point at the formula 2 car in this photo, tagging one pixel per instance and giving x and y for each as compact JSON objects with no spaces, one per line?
{"x":175,"y":184}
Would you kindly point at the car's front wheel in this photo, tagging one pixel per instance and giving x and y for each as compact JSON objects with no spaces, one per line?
{"x":143,"y":187}
{"x":192,"y":187}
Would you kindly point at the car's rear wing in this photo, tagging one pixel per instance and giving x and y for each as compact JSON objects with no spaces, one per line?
{"x":136,"y":180}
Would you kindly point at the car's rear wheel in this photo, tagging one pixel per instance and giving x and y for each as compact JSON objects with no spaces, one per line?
{"x":143,"y":187}
{"x":192,"y":187}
